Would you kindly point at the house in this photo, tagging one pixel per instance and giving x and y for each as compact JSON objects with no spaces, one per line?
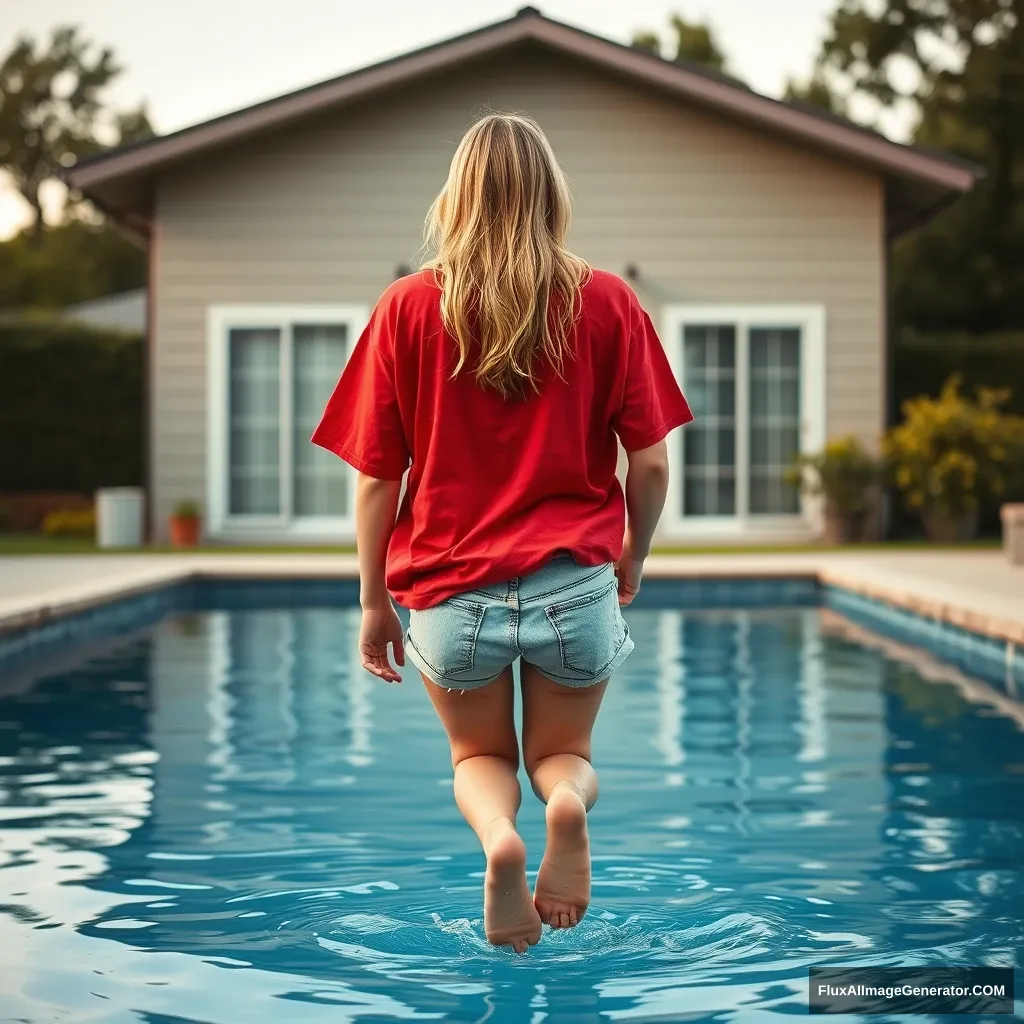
{"x":124,"y":311}
{"x":755,"y":233}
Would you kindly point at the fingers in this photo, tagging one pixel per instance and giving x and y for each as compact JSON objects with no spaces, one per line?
{"x":398,"y":645}
{"x":626,"y":590}
{"x":376,"y":662}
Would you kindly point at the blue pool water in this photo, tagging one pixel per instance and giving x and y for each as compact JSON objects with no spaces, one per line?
{"x":221,"y":819}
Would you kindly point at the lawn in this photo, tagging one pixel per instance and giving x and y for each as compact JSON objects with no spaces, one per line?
{"x":36,"y":544}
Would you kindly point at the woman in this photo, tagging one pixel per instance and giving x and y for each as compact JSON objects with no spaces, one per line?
{"x":503,"y":376}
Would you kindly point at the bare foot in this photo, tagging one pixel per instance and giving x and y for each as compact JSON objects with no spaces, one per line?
{"x":563,"y":883}
{"x":510,"y":918}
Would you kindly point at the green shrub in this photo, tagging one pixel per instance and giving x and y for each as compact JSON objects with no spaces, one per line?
{"x":71,"y":408}
{"x":70,"y":522}
{"x":924,"y":361}
{"x":843,"y":473}
{"x":950,"y":452}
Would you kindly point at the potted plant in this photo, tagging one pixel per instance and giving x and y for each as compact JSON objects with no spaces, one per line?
{"x":846,"y":477}
{"x":185,"y":525}
{"x":950,"y":451}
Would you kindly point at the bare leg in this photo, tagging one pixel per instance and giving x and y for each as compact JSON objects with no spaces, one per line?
{"x":557,"y":723}
{"x":485,"y":755}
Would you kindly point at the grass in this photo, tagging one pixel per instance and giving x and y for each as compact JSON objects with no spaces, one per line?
{"x":37,"y":544}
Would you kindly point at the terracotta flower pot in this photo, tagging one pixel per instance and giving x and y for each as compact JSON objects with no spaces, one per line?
{"x":844,"y":527}
{"x":184,"y":531}
{"x":941,"y":528}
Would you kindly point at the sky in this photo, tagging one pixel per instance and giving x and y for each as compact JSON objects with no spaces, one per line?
{"x":194,"y":59}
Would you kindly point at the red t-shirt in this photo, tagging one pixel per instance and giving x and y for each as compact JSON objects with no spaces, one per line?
{"x":496,"y":487}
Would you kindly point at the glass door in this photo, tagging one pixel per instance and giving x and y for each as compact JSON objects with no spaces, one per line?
{"x":319,"y":481}
{"x":272,"y":373}
{"x":774,"y":415}
{"x":754,"y":378}
{"x":709,"y":443}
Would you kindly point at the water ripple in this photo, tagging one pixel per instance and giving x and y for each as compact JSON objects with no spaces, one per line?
{"x":225,"y":814}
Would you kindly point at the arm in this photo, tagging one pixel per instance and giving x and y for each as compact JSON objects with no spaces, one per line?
{"x":646,"y":490}
{"x":376,"y":508}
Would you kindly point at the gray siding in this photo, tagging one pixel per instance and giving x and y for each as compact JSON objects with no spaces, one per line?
{"x":711,"y":212}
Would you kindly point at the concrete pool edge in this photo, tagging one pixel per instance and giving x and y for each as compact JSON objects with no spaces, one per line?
{"x":944,"y":616}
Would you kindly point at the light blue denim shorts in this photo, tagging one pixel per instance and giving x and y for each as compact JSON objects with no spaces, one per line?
{"x":563,"y":619}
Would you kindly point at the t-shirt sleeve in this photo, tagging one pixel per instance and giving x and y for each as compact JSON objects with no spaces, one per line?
{"x":652,"y":402}
{"x":362,"y":423}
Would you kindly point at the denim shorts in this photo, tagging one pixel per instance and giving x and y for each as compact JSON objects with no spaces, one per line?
{"x":563,"y":619}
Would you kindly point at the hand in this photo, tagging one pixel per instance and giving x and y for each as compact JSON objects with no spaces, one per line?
{"x":380,"y":627}
{"x":628,"y":571}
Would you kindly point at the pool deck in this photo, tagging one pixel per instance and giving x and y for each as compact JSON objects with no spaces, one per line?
{"x":975,"y":590}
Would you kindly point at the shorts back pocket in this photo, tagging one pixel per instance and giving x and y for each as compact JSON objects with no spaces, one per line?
{"x":590,"y":630}
{"x":445,"y":636}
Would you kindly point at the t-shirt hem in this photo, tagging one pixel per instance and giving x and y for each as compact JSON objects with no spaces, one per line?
{"x":374,"y":469}
{"x":421,"y":595}
{"x":652,"y":437}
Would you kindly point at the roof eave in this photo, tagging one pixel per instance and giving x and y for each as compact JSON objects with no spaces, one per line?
{"x":798,"y":124}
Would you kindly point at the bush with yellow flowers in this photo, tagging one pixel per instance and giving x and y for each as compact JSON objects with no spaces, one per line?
{"x":951,"y":451}
{"x":70,"y":522}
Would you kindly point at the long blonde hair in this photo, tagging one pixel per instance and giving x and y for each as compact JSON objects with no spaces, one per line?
{"x":510,"y":290}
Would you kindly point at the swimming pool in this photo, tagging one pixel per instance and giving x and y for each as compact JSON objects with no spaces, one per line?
{"x":220,"y":818}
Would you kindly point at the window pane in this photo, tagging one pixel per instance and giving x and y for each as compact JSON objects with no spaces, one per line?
{"x":254,"y":421}
{"x":709,"y":443}
{"x":319,"y":484}
{"x":774,"y":418}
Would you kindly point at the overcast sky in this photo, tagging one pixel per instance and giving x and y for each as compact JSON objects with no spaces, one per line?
{"x":193,"y":59}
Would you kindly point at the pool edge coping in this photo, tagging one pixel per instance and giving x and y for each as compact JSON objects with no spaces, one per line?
{"x":91,"y":596}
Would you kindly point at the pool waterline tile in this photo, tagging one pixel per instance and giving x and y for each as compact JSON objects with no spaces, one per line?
{"x":993,"y":658}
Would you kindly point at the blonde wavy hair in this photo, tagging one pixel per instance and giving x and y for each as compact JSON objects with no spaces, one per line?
{"x":510,"y":290}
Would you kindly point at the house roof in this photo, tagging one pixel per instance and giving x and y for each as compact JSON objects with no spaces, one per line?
{"x":920,"y":181}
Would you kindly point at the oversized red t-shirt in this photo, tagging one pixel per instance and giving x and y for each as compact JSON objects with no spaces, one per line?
{"x":496,"y":487}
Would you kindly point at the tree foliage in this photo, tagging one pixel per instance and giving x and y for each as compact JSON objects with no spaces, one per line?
{"x":816,"y":92}
{"x":73,"y":262}
{"x":958,"y":66}
{"x":52,"y":111}
{"x":690,"y":42}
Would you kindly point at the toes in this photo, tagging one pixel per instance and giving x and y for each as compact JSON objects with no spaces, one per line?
{"x":557,"y":918}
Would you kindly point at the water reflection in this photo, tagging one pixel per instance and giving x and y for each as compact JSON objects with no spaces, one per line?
{"x":233,"y":795}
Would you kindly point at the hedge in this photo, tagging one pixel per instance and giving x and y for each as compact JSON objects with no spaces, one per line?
{"x":923,"y":363}
{"x":71,"y":408}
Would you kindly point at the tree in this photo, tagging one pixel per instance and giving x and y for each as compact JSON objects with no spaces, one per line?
{"x":73,"y":262}
{"x":816,"y":92}
{"x":694,"y":43}
{"x":958,"y":67}
{"x":52,"y":114}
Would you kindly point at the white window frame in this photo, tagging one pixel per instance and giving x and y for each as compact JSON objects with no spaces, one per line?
{"x":811,"y":319}
{"x":220,"y":321}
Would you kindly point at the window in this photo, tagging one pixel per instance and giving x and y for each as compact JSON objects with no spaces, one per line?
{"x":754,"y":377}
{"x":271,"y":372}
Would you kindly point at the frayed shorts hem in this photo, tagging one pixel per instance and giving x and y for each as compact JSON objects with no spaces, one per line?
{"x":574,"y":682}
